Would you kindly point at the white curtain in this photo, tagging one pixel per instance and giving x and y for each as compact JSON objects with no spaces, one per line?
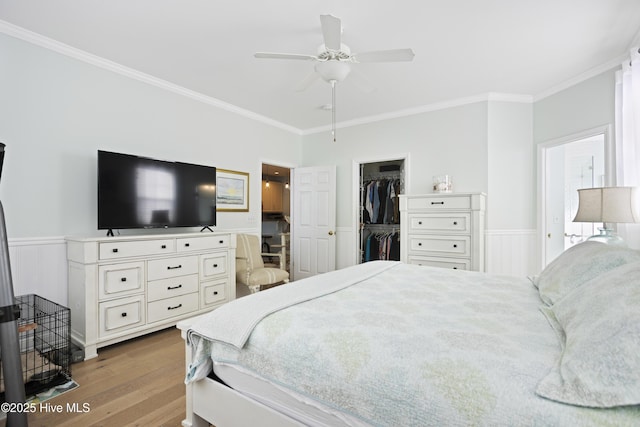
{"x":627,"y":137}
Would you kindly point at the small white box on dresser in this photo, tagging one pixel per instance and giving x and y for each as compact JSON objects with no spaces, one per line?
{"x":127,"y":286}
{"x":443,"y":230}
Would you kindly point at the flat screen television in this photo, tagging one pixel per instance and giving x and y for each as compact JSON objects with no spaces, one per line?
{"x":141,"y":192}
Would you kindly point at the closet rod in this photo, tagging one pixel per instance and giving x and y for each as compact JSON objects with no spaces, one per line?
{"x":376,"y":175}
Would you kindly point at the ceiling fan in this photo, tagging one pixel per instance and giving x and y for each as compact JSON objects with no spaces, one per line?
{"x":333,"y":59}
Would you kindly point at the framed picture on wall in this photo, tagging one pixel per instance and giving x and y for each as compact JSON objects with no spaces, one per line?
{"x":232,"y":191}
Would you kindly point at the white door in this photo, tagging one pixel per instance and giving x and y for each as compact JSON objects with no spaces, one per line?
{"x":314,"y":221}
{"x":569,"y":167}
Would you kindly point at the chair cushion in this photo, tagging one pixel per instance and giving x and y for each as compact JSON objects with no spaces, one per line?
{"x":263,"y":276}
{"x":249,"y":251}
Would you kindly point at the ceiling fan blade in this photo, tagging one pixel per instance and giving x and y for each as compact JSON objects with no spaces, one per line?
{"x":393,"y":55}
{"x":331,"y":31}
{"x":307,"y":81}
{"x":361,"y":81}
{"x":270,"y":55}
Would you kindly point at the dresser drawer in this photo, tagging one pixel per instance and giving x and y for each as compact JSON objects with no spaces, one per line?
{"x":439,"y":202}
{"x":452,"y":263}
{"x":171,"y":307}
{"x":202,"y":243}
{"x":121,"y":314}
{"x":172,"y":267}
{"x":213,"y":265}
{"x":449,"y":245}
{"x":174,"y":286}
{"x":126,"y":249}
{"x":117,"y":280}
{"x":213,"y":292}
{"x":440,"y":222}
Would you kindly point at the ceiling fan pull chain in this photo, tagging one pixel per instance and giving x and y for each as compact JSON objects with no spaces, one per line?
{"x":333,"y":109}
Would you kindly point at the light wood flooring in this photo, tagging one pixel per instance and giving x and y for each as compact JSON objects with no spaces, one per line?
{"x":136,"y":383}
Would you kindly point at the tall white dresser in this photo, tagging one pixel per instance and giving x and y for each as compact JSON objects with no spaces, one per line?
{"x":126,"y":286}
{"x":443,"y":230}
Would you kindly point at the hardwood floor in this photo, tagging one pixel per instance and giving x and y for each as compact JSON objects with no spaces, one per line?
{"x":136,"y":383}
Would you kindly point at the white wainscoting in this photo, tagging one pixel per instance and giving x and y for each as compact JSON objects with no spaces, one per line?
{"x":512,"y":252}
{"x":39,"y":266}
{"x":508,"y":252}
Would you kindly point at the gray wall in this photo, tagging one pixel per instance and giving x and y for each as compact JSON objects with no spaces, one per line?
{"x":451,"y":141}
{"x":56,"y":112}
{"x":511,"y":167}
{"x":586,"y":105}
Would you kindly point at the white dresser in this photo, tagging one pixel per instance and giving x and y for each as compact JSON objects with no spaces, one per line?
{"x":126,"y":286}
{"x":443,"y":230}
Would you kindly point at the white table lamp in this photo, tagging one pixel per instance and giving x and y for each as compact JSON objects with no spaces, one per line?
{"x":608,"y":205}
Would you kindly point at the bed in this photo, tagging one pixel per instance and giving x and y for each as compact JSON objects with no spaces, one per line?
{"x":391,"y":344}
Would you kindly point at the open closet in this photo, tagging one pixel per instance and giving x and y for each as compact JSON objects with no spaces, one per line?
{"x":379,"y":210}
{"x":276,"y":216}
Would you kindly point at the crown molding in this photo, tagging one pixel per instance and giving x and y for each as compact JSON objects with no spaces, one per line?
{"x":72,"y":52}
{"x":510,"y":97}
{"x":64,"y":49}
{"x":492,"y":96}
{"x":635,"y":41}
{"x":614,"y":63}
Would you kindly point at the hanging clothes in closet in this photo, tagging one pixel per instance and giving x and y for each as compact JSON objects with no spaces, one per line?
{"x":381,"y":202}
{"x":382,"y":246}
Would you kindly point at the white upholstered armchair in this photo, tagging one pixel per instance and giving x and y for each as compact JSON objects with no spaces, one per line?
{"x":250,"y":268}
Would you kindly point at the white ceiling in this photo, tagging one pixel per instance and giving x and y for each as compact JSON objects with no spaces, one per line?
{"x":463,"y":48}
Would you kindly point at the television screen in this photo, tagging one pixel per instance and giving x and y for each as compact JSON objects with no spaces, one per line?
{"x":140,"y":192}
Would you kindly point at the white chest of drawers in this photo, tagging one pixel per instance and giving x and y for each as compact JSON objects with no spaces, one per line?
{"x":126,"y":286}
{"x":443,"y":230}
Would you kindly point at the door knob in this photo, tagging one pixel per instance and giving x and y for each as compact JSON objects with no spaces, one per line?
{"x":330,"y":232}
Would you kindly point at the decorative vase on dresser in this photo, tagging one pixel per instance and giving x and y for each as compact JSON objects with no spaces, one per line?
{"x":443,"y":230}
{"x":126,"y":286}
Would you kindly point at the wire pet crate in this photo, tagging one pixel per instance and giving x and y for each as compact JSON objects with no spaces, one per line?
{"x":44,"y":332}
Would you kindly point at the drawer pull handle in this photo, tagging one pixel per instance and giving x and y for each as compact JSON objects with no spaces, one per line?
{"x":123,"y":279}
{"x":174,"y":268}
{"x":170,"y":288}
{"x":215,"y":265}
{"x":221,"y":241}
{"x":420,"y":244}
{"x":455,"y":222}
{"x":114,"y":250}
{"x":455,"y":246}
{"x":124,"y":314}
{"x":437,"y":203}
{"x":419,"y":222}
{"x":174,"y":307}
{"x":163,"y":247}
{"x":186,"y":245}
{"x":455,"y":268}
{"x":215,"y":292}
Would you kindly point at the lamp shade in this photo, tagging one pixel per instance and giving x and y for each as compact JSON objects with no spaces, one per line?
{"x":608,"y":204}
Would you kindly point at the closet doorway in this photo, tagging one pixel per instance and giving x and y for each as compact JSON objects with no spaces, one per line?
{"x":276,"y":214}
{"x":377,"y":185}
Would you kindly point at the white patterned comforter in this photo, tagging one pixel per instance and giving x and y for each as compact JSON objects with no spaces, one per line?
{"x":410,"y":346}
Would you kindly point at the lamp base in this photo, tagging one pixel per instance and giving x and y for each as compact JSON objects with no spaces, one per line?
{"x":607,"y":236}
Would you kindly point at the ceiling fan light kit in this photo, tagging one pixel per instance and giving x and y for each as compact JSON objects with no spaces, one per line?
{"x":334,"y":59}
{"x":333,"y":71}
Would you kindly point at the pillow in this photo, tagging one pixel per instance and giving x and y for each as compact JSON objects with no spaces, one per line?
{"x":600,"y":361}
{"x":579,"y":264}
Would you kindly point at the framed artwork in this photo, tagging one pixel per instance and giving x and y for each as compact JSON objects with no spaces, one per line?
{"x":232,"y":191}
